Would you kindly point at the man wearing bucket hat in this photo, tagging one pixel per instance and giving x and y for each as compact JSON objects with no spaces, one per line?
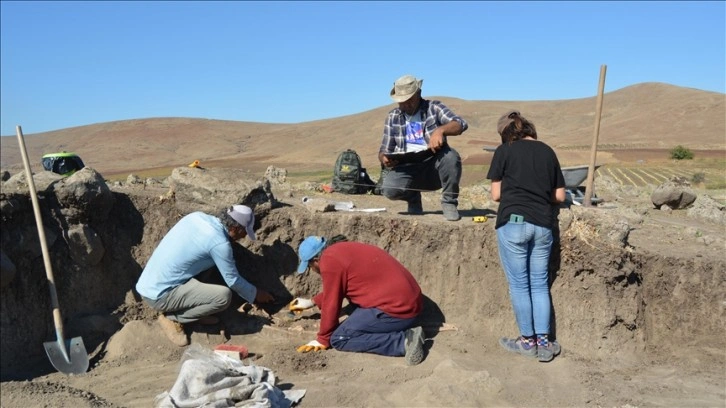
{"x":386,"y":297}
{"x":419,"y":128}
{"x":195,"y":244}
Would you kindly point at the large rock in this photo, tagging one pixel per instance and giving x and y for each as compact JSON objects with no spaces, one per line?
{"x":277,"y":176}
{"x":84,"y":196}
{"x":86,"y":247}
{"x":79,"y":198}
{"x":17,"y":183}
{"x":212,"y":189}
{"x":675,"y":193}
{"x":708,"y":209}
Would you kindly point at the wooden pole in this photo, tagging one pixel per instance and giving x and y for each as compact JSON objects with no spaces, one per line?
{"x":586,"y":201}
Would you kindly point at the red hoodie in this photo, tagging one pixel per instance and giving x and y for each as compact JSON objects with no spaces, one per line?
{"x":368,"y":277}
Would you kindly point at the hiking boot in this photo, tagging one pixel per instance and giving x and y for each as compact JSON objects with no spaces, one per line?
{"x":546,"y":354}
{"x":519,"y":346}
{"x":173,"y":330}
{"x":208,"y":320}
{"x":414,"y":206}
{"x":414,"y":345}
{"x":450,"y":212}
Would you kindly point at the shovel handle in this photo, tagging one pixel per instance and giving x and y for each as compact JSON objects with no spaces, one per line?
{"x":41,"y":234}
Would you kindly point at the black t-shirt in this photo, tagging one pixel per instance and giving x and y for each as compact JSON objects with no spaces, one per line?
{"x":530,"y":173}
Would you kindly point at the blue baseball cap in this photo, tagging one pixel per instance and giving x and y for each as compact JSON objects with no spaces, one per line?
{"x":310,"y":247}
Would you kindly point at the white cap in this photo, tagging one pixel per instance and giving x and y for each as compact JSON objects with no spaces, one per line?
{"x":245,"y":217}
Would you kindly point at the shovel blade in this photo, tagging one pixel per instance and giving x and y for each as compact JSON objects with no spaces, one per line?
{"x":68,"y":358}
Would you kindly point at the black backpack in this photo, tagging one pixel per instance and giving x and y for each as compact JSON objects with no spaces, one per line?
{"x":63,"y":163}
{"x":349,"y":175}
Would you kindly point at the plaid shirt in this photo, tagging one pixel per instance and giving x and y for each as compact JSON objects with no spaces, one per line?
{"x":394,"y":131}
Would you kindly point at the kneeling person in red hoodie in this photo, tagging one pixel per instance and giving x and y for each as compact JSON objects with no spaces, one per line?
{"x":387,"y":298}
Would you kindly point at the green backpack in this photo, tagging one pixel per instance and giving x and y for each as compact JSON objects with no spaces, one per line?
{"x":349,"y":176}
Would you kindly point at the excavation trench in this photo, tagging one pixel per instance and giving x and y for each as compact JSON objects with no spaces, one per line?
{"x":607,"y":299}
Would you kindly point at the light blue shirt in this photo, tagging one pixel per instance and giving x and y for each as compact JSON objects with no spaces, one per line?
{"x":196,"y":243}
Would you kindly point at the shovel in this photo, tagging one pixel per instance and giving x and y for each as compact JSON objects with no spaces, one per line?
{"x":67,"y":356}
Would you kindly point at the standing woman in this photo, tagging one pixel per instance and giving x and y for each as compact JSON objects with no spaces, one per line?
{"x":527,"y":182}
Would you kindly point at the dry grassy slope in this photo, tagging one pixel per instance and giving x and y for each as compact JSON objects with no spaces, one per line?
{"x":652,"y":115}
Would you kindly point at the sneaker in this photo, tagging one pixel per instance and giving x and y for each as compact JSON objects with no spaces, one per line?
{"x":414,"y":206}
{"x":208,"y":320}
{"x":173,"y":330}
{"x":450,"y":212}
{"x":518,"y":346}
{"x":546,"y":354}
{"x":414,"y":345}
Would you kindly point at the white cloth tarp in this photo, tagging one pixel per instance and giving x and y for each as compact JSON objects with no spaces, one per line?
{"x":210,"y":380}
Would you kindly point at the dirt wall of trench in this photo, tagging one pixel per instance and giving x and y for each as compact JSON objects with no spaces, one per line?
{"x":607,"y":299}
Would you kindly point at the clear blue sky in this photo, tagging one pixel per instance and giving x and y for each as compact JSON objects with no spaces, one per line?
{"x":68,"y":64}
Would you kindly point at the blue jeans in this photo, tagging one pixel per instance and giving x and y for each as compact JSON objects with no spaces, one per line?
{"x":442,"y":171}
{"x":524,"y":250}
{"x":371,"y":331}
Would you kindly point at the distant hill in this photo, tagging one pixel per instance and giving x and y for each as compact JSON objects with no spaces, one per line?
{"x":647,"y":115}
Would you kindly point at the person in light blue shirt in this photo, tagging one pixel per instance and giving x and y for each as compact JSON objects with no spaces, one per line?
{"x":196,"y":243}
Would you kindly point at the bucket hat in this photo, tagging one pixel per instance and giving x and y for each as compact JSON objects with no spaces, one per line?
{"x":405,"y":87}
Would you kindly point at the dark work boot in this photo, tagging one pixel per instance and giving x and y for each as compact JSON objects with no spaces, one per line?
{"x":414,"y":205}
